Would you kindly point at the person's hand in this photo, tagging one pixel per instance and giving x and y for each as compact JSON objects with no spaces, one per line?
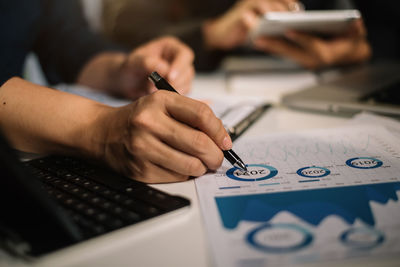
{"x":232,"y":28}
{"x":164,"y":137}
{"x":313,"y":52}
{"x":126,"y":75}
{"x":168,"y":56}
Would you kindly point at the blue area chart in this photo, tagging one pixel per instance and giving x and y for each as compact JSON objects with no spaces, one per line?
{"x":312,"y":206}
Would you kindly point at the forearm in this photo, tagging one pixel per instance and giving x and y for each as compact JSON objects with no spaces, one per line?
{"x":42,"y":120}
{"x":102,"y":72}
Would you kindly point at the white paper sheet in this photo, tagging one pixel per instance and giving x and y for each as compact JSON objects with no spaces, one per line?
{"x":391,"y":124}
{"x":308,"y":197}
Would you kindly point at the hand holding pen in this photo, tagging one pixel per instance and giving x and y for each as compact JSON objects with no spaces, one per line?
{"x":230,"y":155}
{"x":161,"y":137}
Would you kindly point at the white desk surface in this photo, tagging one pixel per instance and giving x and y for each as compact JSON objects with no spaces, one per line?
{"x":180,"y":239}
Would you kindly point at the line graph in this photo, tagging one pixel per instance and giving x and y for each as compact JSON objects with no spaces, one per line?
{"x":327,"y":158}
{"x":285,"y":148}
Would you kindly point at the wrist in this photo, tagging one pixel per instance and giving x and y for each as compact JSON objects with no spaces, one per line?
{"x":115,"y":78}
{"x":92,"y":138}
{"x":208,"y":31}
{"x":103,"y":72}
{"x":108,"y":136}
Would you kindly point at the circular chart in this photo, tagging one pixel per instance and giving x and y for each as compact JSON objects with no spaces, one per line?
{"x":364,"y":163}
{"x":313,"y":172}
{"x":279,"y":238}
{"x":255,"y":172}
{"x":362,"y":238}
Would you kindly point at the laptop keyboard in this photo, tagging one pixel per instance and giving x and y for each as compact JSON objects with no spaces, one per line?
{"x":98,"y":200}
{"x":389,"y":94}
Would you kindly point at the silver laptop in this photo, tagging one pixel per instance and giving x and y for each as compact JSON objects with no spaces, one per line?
{"x":372,"y":87}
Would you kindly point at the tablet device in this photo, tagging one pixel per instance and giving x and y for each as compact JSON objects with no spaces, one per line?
{"x":322,"y":22}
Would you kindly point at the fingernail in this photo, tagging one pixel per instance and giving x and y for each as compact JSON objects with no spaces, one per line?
{"x":296,"y":7}
{"x":227,"y":143}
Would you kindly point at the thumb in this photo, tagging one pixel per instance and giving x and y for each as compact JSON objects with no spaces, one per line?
{"x":249,"y":20}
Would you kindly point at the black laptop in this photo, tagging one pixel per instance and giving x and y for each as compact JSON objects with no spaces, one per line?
{"x":53,"y":202}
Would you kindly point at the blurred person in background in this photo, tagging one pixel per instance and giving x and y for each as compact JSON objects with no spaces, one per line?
{"x":160,"y":137}
{"x":214,"y":29}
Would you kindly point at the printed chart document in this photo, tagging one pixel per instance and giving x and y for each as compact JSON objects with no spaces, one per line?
{"x":307,"y":197}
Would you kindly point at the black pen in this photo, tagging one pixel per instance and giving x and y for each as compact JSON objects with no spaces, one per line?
{"x":162,"y":84}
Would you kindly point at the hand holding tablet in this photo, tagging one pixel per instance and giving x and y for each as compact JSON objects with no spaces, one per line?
{"x":322,"y":22}
{"x":313,"y":39}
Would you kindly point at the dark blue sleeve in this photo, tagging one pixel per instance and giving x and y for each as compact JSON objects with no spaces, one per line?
{"x":65,"y":42}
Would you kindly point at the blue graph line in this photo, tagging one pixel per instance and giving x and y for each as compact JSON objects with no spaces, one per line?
{"x":308,"y":181}
{"x":269,"y":184}
{"x":230,"y":187}
{"x":312,"y":206}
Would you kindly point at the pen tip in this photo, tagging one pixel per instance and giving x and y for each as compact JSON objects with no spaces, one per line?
{"x":242,"y":166}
